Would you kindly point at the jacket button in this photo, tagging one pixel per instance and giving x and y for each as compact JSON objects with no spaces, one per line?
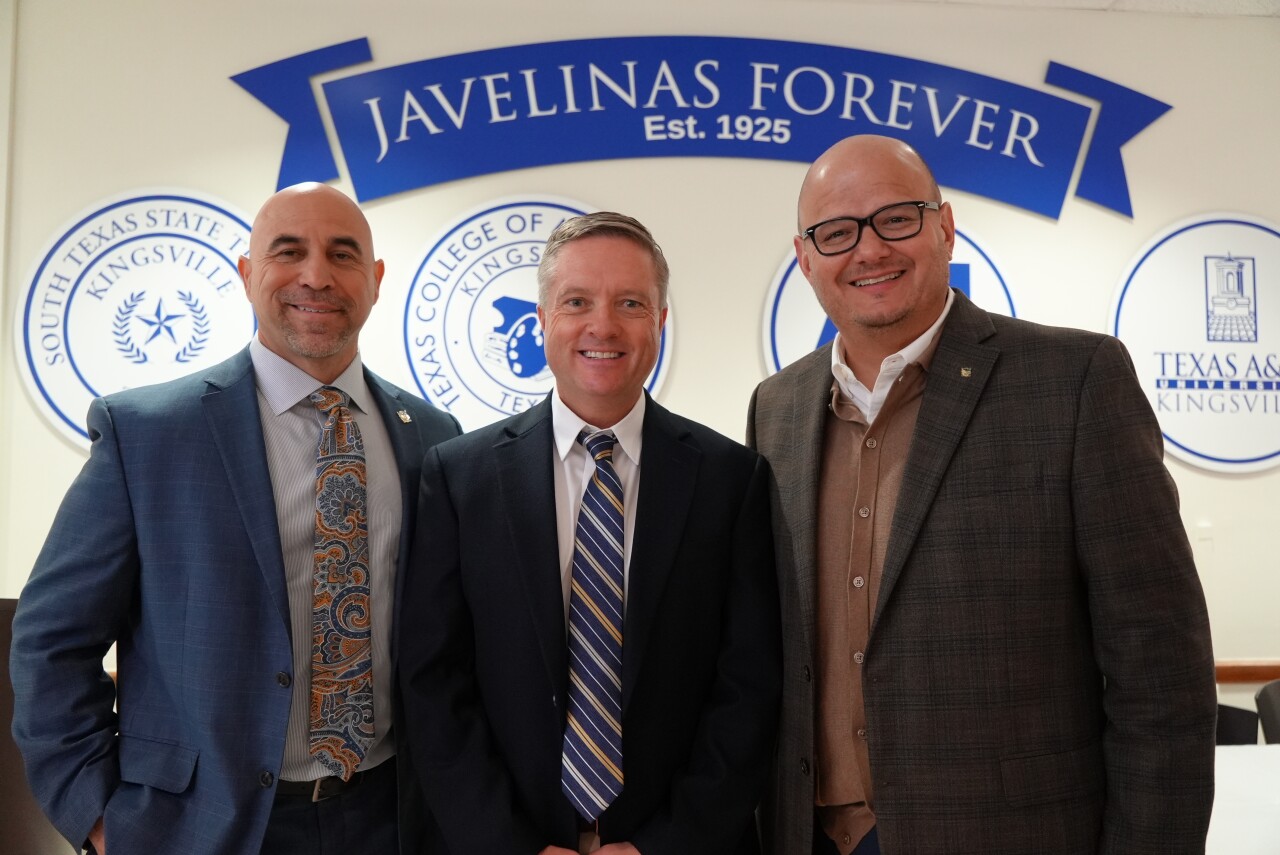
{"x":807,"y":674}
{"x":284,"y":679}
{"x":266,"y":779}
{"x":804,"y":767}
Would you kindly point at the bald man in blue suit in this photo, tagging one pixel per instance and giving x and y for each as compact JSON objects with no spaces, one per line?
{"x":187,"y":540}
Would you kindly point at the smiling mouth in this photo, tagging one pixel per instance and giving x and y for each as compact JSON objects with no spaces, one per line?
{"x":600,"y":354}
{"x":863,"y":283}
{"x":309,"y":310}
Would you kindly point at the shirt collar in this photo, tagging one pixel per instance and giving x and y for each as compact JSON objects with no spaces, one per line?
{"x":284,"y":384}
{"x":566,"y":425}
{"x":894,"y":362}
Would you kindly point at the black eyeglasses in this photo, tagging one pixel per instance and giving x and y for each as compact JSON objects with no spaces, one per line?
{"x":898,"y":221}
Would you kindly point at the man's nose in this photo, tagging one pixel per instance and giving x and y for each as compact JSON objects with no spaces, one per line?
{"x":870,"y":245}
{"x":315,"y":272}
{"x":603,"y":322}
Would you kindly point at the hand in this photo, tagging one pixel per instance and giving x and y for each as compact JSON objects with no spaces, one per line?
{"x":557,"y":850}
{"x":97,"y":838}
{"x":618,"y":849}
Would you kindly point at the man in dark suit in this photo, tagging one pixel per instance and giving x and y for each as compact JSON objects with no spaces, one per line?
{"x":526,"y":742}
{"x":995,"y":638}
{"x":196,"y":539}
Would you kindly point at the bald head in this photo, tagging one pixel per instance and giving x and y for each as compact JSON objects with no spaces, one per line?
{"x":866,"y":159}
{"x":303,"y":202}
{"x":312,"y":277}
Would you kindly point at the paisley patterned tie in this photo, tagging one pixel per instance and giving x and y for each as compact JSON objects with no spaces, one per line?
{"x":341,"y":650}
{"x":591,"y":761}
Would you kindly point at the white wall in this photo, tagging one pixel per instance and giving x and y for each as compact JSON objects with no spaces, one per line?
{"x":108,"y":98}
{"x":10,"y":578}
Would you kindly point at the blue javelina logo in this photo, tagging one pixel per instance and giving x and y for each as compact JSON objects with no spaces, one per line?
{"x":139,"y":290}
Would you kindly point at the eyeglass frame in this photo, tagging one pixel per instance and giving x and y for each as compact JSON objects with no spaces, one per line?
{"x":868,"y":221}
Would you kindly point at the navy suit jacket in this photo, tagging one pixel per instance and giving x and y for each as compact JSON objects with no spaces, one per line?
{"x":485,"y":671}
{"x":167,"y":544}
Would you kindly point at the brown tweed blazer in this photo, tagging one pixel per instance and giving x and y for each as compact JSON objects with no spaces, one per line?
{"x":1039,"y":677}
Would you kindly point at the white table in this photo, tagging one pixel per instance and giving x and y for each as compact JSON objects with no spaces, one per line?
{"x":1246,"y":804}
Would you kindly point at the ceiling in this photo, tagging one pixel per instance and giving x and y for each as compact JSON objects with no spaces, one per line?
{"x":1216,"y":8}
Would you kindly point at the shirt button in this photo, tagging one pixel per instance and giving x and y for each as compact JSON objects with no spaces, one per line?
{"x":283,"y":679}
{"x":862,"y":733}
{"x":858,"y":657}
{"x":871,"y":443}
{"x":858,"y":581}
{"x":864,"y":512}
{"x":266,"y":779}
{"x":846,"y":840}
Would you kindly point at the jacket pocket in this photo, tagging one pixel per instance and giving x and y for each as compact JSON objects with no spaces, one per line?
{"x":156,"y":763}
{"x":1033,"y":779}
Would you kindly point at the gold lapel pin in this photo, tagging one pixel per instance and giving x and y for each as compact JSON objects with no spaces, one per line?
{"x":966,"y":372}
{"x":404,"y":414}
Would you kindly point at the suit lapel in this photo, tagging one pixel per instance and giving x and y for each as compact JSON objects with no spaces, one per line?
{"x":669,"y":469}
{"x":523,"y":455}
{"x":406,"y":445}
{"x":795,"y":454}
{"x":231,"y":409}
{"x":809,"y":405}
{"x":959,"y":372}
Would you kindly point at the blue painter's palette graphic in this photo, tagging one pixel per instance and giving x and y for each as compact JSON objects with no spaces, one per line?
{"x":794,"y":323}
{"x":471,"y":331}
{"x":1199,"y":309}
{"x":515,"y":345}
{"x":139,"y":289}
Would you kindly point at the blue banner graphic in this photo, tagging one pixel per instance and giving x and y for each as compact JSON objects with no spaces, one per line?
{"x":471,"y":114}
{"x":285,"y":87}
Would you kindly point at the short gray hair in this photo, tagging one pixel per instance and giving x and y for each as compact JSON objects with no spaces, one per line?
{"x":601,"y":223}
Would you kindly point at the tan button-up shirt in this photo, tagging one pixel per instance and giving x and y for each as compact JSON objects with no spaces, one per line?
{"x":861,"y":475}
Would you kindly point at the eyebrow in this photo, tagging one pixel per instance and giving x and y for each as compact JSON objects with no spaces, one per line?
{"x":348,"y":242}
{"x":283,"y":240}
{"x":292,"y":240}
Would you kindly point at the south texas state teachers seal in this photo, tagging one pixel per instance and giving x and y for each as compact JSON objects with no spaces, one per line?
{"x":471,"y":331}
{"x":140,"y":289}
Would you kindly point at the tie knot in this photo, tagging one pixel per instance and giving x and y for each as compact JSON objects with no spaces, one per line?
{"x":599,"y":444}
{"x":326,"y":398}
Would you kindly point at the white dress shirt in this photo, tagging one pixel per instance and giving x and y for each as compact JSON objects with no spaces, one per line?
{"x":574,"y":466}
{"x":291,"y":429}
{"x":869,"y":401}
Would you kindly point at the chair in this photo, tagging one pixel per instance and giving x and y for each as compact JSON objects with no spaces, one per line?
{"x":1268,"y":702}
{"x":25,"y":828}
{"x":1237,"y":726}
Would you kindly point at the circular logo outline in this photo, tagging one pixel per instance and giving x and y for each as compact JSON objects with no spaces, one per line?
{"x":1180,"y":450}
{"x":56,"y":411}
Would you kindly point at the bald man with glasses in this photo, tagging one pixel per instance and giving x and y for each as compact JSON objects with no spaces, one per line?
{"x":995,"y":638}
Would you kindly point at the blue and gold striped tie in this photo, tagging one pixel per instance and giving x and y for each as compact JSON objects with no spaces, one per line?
{"x":591,"y":773}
